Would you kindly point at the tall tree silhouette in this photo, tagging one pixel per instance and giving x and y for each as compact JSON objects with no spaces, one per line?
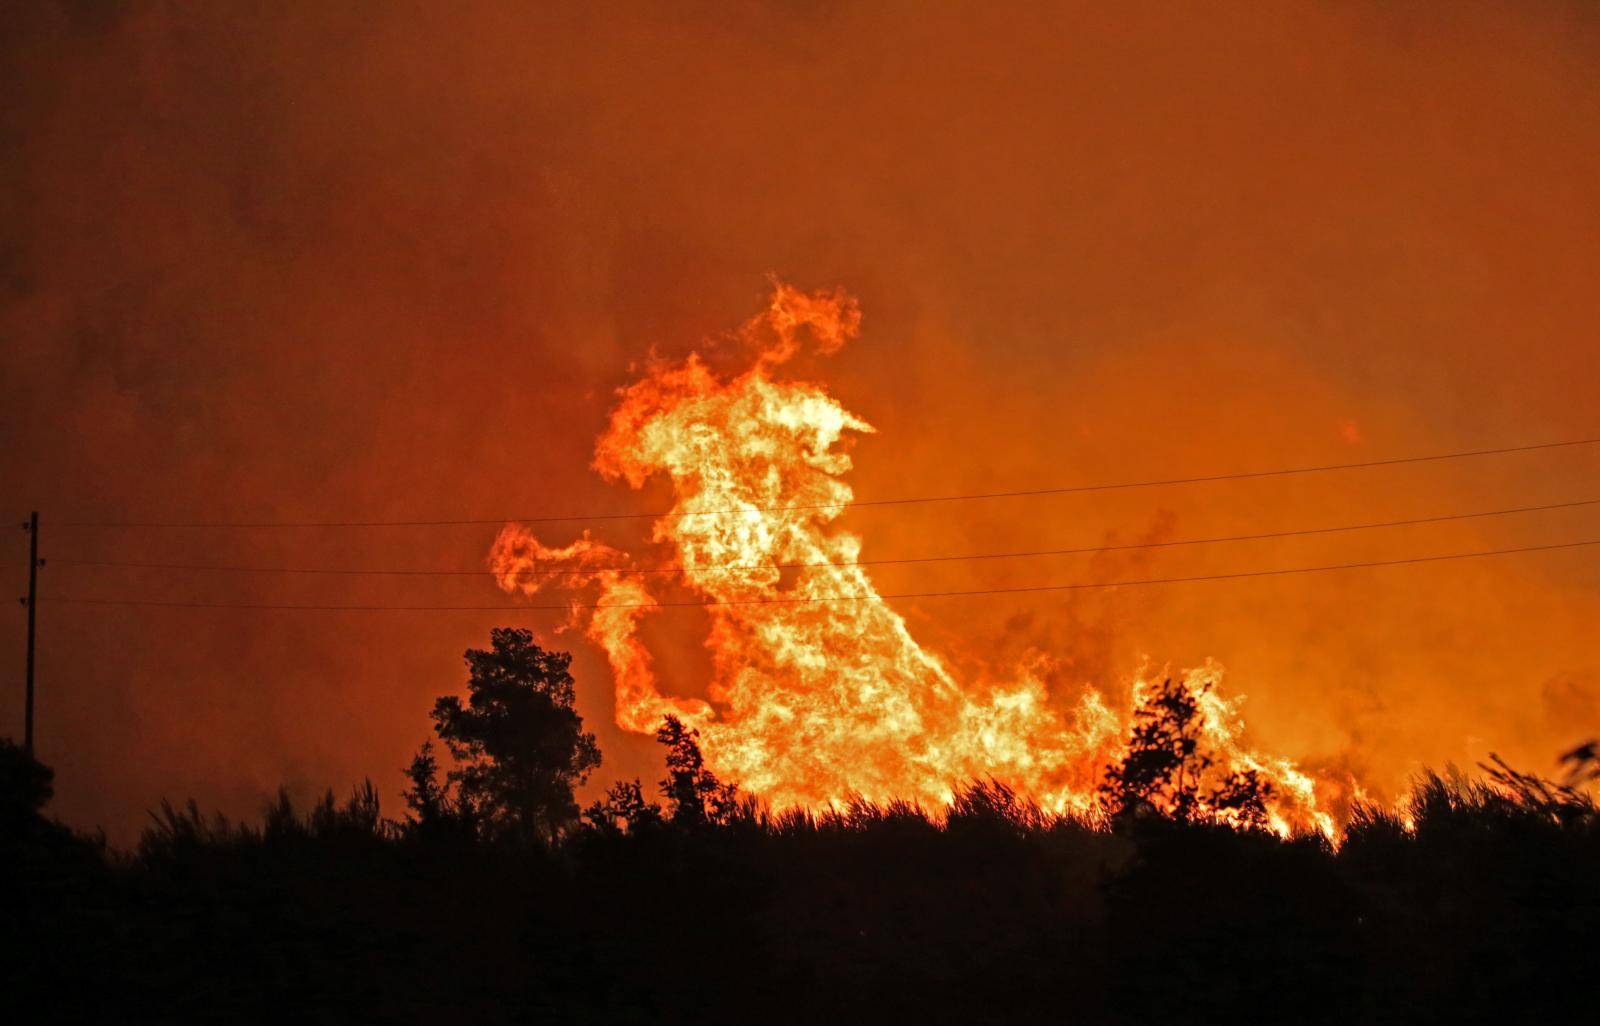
{"x":519,"y":745}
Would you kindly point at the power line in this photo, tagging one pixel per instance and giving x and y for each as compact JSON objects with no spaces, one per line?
{"x":825,"y":599}
{"x":886,"y":561}
{"x":904,"y":501}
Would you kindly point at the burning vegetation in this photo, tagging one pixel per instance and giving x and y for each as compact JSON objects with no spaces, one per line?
{"x":820,"y":694}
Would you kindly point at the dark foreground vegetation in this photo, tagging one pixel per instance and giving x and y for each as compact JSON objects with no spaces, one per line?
{"x":494,"y":900}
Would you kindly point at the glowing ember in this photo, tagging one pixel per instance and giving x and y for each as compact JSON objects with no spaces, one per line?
{"x":813,"y":702}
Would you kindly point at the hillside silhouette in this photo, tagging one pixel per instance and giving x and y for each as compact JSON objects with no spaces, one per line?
{"x":495,"y":899}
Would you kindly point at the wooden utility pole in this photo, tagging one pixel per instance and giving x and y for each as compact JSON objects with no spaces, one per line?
{"x":33,"y":612}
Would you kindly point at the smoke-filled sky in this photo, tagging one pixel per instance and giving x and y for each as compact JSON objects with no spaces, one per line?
{"x":392,"y":261}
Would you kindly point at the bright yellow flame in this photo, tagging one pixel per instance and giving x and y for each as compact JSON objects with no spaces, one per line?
{"x":812,"y":703}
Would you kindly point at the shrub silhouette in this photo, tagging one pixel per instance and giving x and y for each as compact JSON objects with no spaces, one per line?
{"x":623,"y":809}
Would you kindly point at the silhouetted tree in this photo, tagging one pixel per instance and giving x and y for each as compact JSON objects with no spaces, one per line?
{"x":436,"y":809}
{"x":1162,"y":766}
{"x":27,"y":835}
{"x":26,"y":784}
{"x":426,"y":798}
{"x":519,"y":745}
{"x":695,"y":795}
{"x":1165,"y":767}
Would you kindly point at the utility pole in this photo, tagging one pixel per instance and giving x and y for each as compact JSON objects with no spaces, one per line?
{"x":33,"y":611}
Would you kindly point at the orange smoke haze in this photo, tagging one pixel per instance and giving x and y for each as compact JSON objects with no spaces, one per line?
{"x":395,"y":264}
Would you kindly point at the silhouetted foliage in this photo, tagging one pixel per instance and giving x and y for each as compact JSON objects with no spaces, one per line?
{"x":58,"y":901}
{"x":1164,"y":769}
{"x":1582,"y":763}
{"x":437,"y":812}
{"x":26,"y":785}
{"x":178,"y":832}
{"x":426,"y":798}
{"x":694,"y":795}
{"x":1478,"y":900}
{"x":623,"y":809}
{"x":519,"y":745}
{"x":1162,"y":766}
{"x":1512,"y":789}
{"x":989,"y":805}
{"x":1240,"y":799}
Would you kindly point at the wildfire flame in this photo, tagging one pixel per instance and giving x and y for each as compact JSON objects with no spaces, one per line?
{"x":814,"y":702}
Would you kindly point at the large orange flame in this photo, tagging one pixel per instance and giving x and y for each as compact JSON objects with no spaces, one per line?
{"x":813,"y":702}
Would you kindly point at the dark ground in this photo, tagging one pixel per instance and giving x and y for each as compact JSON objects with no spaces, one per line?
{"x":1486,"y":911}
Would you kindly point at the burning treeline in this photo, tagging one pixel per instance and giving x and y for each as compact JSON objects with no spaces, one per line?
{"x":819,"y":692}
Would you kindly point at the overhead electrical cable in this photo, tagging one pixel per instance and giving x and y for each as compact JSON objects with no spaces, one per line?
{"x":826,"y":599}
{"x":860,"y":503}
{"x":885,"y":561}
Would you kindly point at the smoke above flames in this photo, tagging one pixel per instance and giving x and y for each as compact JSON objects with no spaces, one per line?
{"x":819,"y":692}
